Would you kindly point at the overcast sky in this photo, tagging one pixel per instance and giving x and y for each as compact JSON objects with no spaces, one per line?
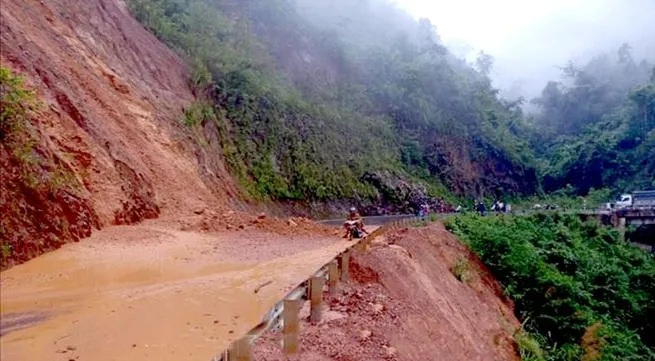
{"x":530,"y":38}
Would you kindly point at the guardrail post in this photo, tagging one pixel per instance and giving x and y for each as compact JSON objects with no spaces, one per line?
{"x":316,"y":298}
{"x":344,"y":259}
{"x":333,"y":277}
{"x":366,"y":243}
{"x":361,"y":245}
{"x":241,"y":350}
{"x":291,"y":326}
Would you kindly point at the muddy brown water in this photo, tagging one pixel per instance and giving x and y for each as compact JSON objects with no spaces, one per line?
{"x":146,"y":293}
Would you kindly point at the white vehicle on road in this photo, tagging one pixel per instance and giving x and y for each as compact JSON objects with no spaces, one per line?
{"x":634,"y":200}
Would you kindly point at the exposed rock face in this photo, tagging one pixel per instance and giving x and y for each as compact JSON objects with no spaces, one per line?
{"x":397,"y":196}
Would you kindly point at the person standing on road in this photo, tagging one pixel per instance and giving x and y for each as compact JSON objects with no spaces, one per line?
{"x":482,"y":209}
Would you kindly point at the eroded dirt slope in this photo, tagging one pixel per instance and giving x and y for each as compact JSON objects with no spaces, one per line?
{"x":113,"y":95}
{"x":405,"y":304}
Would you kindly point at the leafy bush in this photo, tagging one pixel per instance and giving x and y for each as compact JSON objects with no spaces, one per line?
{"x":16,"y":104}
{"x":566,"y":276}
{"x":462,"y":270}
{"x":566,"y":198}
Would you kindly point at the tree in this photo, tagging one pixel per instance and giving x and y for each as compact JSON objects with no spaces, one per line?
{"x":644,"y":97}
{"x":484,"y":63}
{"x":429,"y":38}
{"x":625,"y":53}
{"x":570,"y":70}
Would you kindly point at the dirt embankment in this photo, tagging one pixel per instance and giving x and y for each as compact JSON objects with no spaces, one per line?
{"x":405,"y":303}
{"x":112,"y":95}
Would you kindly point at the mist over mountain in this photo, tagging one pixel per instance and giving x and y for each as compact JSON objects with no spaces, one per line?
{"x":531,"y":40}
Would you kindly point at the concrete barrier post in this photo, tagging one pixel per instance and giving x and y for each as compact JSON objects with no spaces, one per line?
{"x":344,"y":261}
{"x":622,"y":222}
{"x":241,"y":350}
{"x":361,"y":245}
{"x":614,"y":220}
{"x":333,"y":277}
{"x":366,"y":244}
{"x":316,"y":298}
{"x":291,"y":326}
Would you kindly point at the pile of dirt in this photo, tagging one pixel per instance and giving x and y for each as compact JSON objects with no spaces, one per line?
{"x":222,"y":219}
{"x":405,"y":303}
{"x":293,"y":226}
{"x":358,"y":325}
{"x":112,"y":98}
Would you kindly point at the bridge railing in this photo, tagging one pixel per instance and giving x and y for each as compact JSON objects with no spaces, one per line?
{"x":284,"y":316}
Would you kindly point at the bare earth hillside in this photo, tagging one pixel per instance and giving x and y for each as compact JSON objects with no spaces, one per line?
{"x":112,"y":97}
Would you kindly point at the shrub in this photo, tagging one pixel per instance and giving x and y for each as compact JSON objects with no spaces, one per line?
{"x":16,"y":104}
{"x":567,"y":278}
{"x":462,"y":270}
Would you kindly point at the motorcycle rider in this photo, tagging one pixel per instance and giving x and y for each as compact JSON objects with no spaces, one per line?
{"x":353,"y":216}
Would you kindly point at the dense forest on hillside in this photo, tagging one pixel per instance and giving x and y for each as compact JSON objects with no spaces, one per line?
{"x":581,"y":292}
{"x":597,"y":125}
{"x":317,"y":100}
{"x":342,"y":100}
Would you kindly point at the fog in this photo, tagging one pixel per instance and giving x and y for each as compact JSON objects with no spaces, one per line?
{"x":530,"y":39}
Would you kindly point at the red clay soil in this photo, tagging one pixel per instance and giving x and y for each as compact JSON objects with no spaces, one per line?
{"x":112,"y":96}
{"x":39,"y":217}
{"x":209,"y":220}
{"x":404,"y":303}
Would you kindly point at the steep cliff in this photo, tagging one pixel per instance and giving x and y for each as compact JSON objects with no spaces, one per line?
{"x":111,"y":98}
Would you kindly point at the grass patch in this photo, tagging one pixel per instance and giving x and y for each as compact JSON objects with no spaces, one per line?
{"x":5,"y":250}
{"x":528,"y":346}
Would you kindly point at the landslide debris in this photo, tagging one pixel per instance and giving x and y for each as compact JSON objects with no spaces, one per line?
{"x":404,"y":303}
{"x":111,"y":98}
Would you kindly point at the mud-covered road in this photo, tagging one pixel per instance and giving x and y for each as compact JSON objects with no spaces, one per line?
{"x":149,"y":293}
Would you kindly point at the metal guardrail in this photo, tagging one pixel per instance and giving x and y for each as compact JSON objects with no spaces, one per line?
{"x":284,"y":315}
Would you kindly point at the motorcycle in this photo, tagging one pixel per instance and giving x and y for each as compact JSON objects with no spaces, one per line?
{"x":354,"y":230}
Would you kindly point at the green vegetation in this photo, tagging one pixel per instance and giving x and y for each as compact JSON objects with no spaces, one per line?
{"x":18,"y":104}
{"x":308,"y":96}
{"x":462,"y":270}
{"x":597,"y":127}
{"x":583,"y":294}
{"x":566,"y":198}
{"x":529,"y":348}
